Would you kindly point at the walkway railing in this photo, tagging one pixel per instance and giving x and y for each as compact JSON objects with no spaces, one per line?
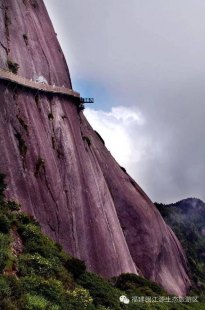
{"x":14,"y":78}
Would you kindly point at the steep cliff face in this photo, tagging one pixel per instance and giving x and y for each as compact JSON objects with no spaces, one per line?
{"x":59,"y":170}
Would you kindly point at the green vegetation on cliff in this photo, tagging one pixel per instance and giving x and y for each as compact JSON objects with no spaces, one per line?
{"x":36,"y":274}
{"x":187,"y":220}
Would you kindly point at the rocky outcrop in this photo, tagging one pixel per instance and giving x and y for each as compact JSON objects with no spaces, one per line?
{"x":59,"y":170}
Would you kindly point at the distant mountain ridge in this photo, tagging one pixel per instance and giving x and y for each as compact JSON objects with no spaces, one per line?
{"x":187,"y":219}
{"x":190,"y":201}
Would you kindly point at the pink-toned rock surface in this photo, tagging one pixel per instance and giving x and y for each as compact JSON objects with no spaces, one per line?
{"x":61,"y":173}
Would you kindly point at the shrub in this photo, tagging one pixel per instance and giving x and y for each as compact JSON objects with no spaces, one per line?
{"x":24,"y":219}
{"x":30,"y":284}
{"x":15,"y":287}
{"x":123,"y":169}
{"x":50,"y":116}
{"x":21,"y":144}
{"x":5,"y":223}
{"x":13,"y":206}
{"x":7,"y":22}
{"x":4,"y":252}
{"x":3,"y":259}
{"x":102,"y":292}
{"x":8,"y":304}
{"x":53,"y":290}
{"x":23,"y":124}
{"x":75,"y":266}
{"x":131,"y":282}
{"x":25,"y":37}
{"x":34,"y":3}
{"x":13,"y":66}
{"x":65,"y":277}
{"x":2,"y":186}
{"x":36,"y":242}
{"x":87,"y":139}
{"x":30,"y":231}
{"x":80,"y":298}
{"x":4,"y":288}
{"x":37,"y":264}
{"x":50,"y":289}
{"x":40,"y":164}
{"x":34,"y":302}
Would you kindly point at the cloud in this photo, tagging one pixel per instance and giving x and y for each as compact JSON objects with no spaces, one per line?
{"x":165,"y":165}
{"x":125,"y":132}
{"x":143,"y":62}
{"x":116,"y":127}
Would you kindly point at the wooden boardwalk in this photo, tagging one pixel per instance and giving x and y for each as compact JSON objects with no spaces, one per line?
{"x":19,"y":80}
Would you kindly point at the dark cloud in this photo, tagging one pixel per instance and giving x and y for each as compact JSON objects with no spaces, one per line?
{"x":148,"y":57}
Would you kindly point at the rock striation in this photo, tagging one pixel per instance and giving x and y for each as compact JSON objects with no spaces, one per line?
{"x":60,"y":171}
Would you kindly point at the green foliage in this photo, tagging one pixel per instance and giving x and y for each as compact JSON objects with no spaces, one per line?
{"x":4,"y":252}
{"x":50,"y":116}
{"x":75,"y":266}
{"x":87,"y":139}
{"x":29,"y":231}
{"x":34,"y":4}
{"x":80,"y":298}
{"x":35,"y":242}
{"x":7,"y":22}
{"x":187,"y":219}
{"x":25,"y":37}
{"x":40,"y":165}
{"x":5,"y":223}
{"x":13,"y":66}
{"x":2,"y":186}
{"x":102,"y":292}
{"x":140,"y":286}
{"x":36,"y":264}
{"x":4,"y":288}
{"x":13,"y":206}
{"x":51,"y":289}
{"x":3,"y":259}
{"x":15,"y":287}
{"x":123,"y":169}
{"x":23,"y":124}
{"x":35,"y":302}
{"x":21,"y":144}
{"x":24,"y":219}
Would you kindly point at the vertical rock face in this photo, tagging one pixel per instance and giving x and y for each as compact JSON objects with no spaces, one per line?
{"x":59,"y":170}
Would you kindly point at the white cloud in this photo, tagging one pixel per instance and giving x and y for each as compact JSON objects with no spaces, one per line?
{"x":127,"y":115}
{"x":121,"y":130}
{"x":157,"y":159}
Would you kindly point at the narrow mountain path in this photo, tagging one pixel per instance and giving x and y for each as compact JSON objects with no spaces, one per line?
{"x":19,"y":80}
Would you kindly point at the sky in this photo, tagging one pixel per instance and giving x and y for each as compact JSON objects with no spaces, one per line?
{"x":143,"y":61}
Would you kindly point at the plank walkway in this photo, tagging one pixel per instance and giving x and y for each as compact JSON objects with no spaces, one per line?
{"x":14,"y":78}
